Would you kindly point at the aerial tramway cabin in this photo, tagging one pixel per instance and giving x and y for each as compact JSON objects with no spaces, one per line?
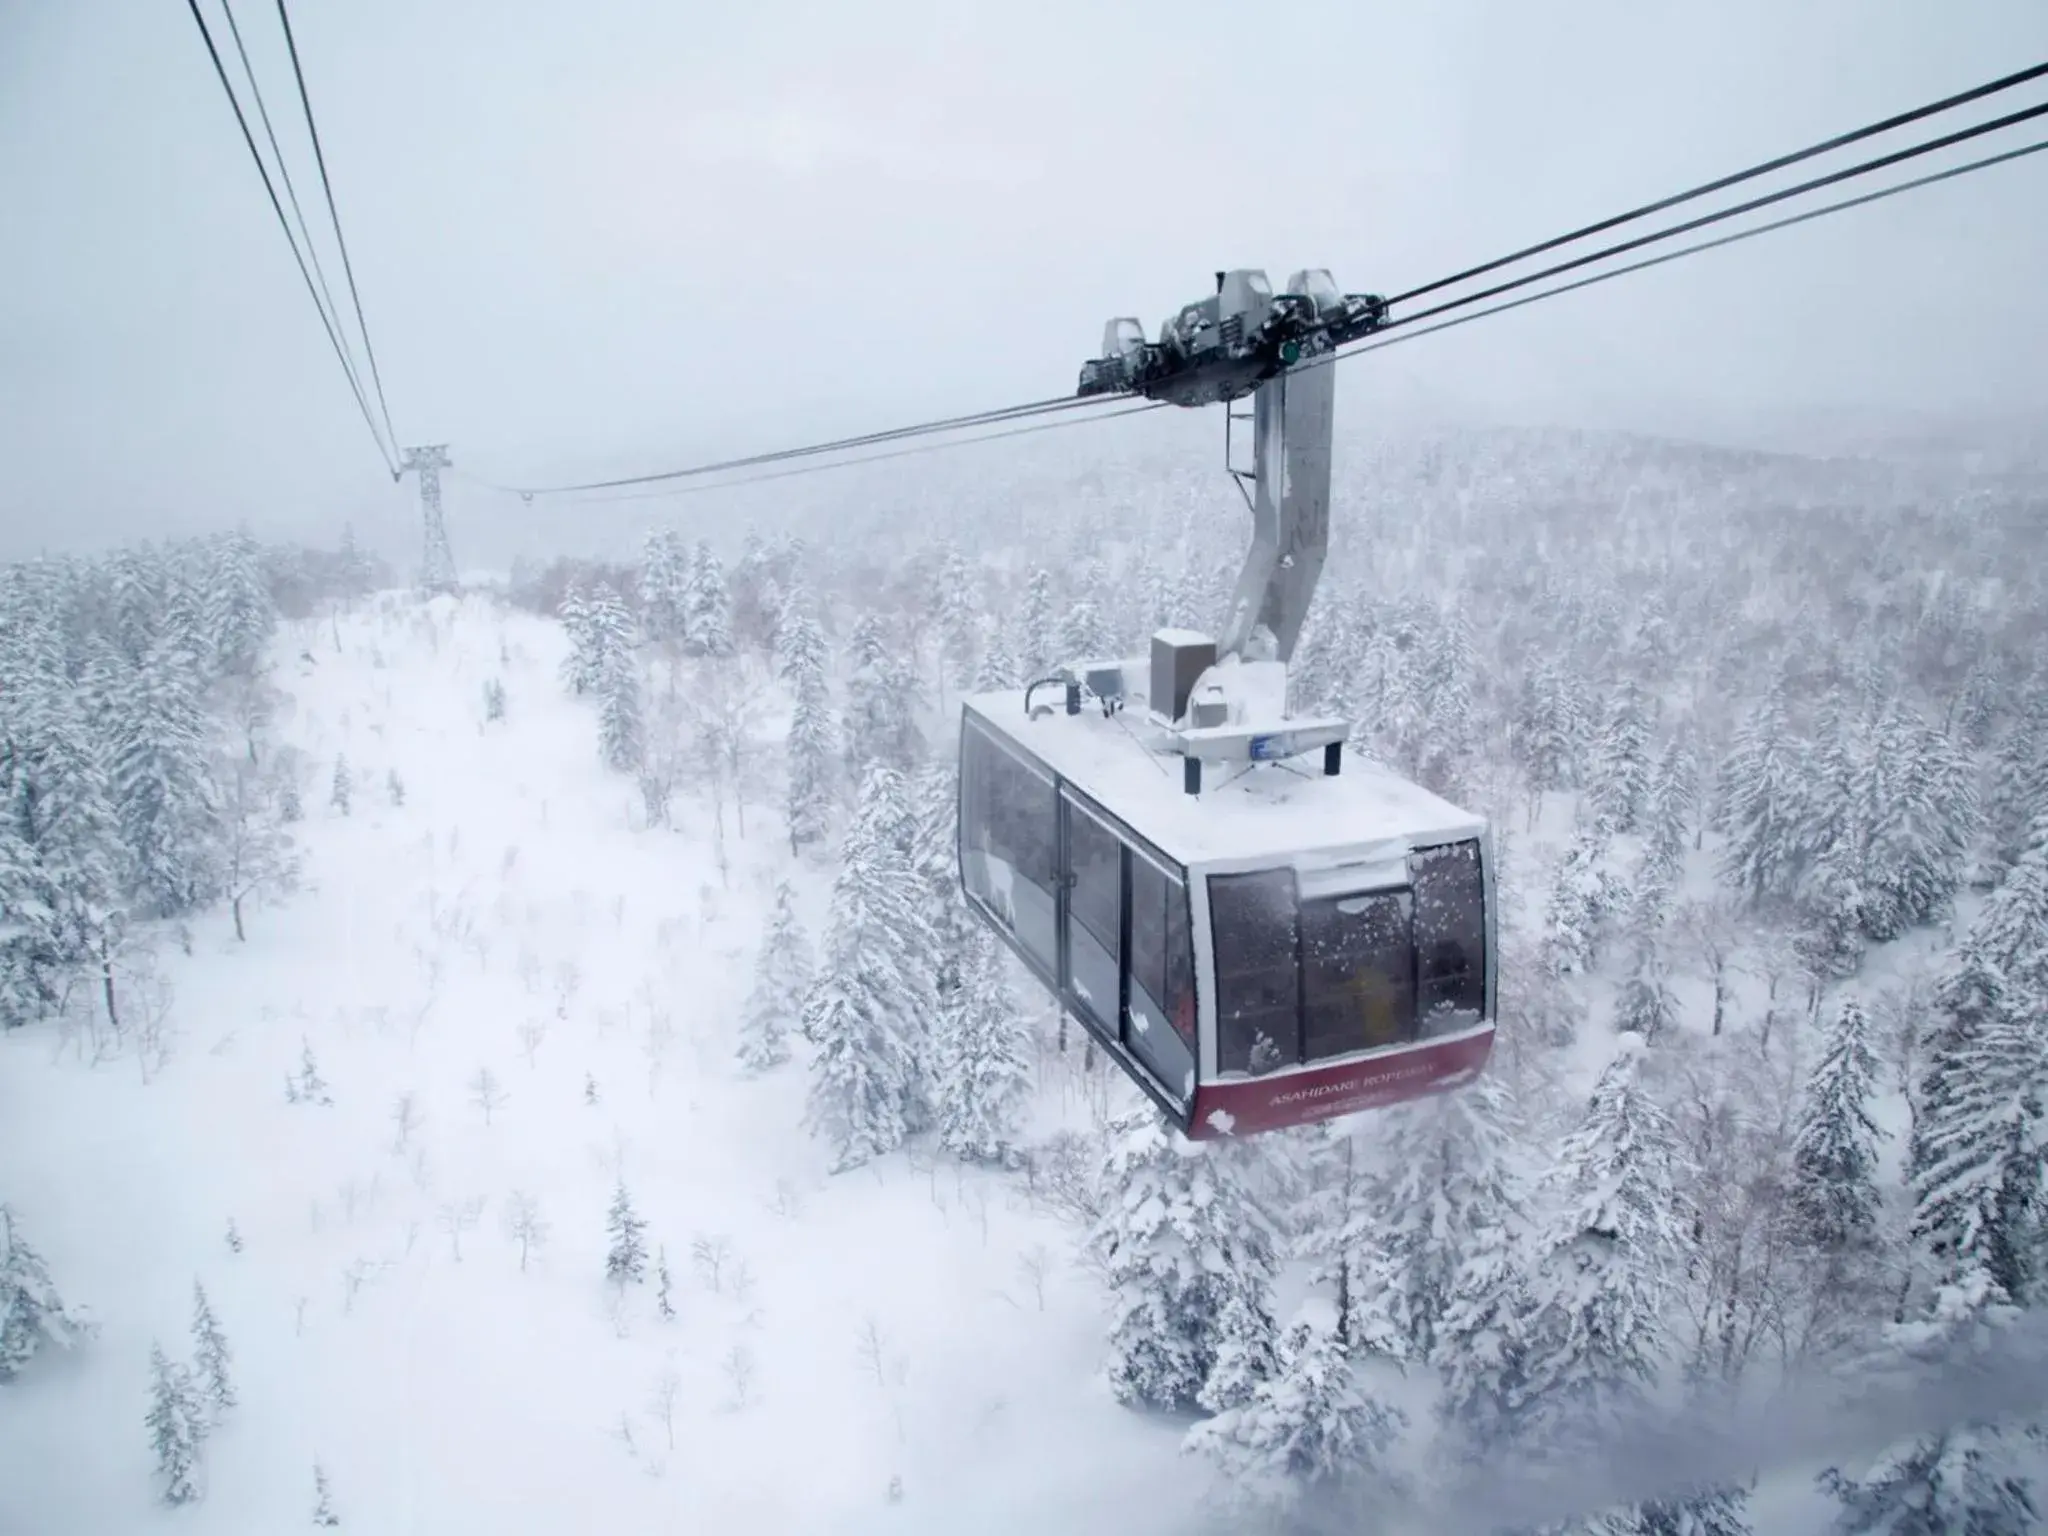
{"x":1283,"y":947}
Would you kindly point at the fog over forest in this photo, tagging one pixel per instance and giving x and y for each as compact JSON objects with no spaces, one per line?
{"x":609,"y":1005}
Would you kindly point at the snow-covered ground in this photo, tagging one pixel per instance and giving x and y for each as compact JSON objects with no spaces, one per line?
{"x":908,"y":1320}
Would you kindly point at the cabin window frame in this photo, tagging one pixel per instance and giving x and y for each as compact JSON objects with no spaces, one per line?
{"x":1054,"y":972}
{"x":1229,"y":1060}
{"x":974,"y":797}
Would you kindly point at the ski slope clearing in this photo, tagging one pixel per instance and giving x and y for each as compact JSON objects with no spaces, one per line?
{"x":553,"y":990}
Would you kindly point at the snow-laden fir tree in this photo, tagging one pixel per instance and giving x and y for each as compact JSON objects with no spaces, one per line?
{"x":341,"y":788}
{"x":32,"y":1314}
{"x":664,"y":1286}
{"x":1550,"y":728}
{"x":1979,"y":1138}
{"x":1835,"y":1147}
{"x":998,"y":667}
{"x":323,"y":1499}
{"x":65,"y":914}
{"x":211,"y":1356}
{"x":981,"y":1073}
{"x":1417,"y":1221}
{"x":164,"y":795}
{"x":621,"y":733}
{"x":177,"y":1427}
{"x":960,"y":611}
{"x":1307,"y":1430}
{"x":935,"y":857}
{"x":1183,"y":1244}
{"x":1582,"y":895}
{"x":1922,"y":811}
{"x":800,"y":659}
{"x":1622,"y":766}
{"x":239,"y":615}
{"x":1960,"y":1482}
{"x":881,"y":705}
{"x":1607,"y":1265}
{"x":625,"y":1261}
{"x":869,"y":1010}
{"x":707,"y":610}
{"x":1034,"y":644}
{"x":2017,"y":796}
{"x":782,"y":979}
{"x":1760,"y":803}
{"x":664,"y":573}
{"x":2011,"y":928}
{"x":582,"y":667}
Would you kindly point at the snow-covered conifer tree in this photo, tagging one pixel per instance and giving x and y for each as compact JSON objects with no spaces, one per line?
{"x":581,"y":668}
{"x":1961,"y":1482}
{"x":868,"y":1011}
{"x":1423,"y":1224}
{"x":1034,"y":645}
{"x":621,"y":733}
{"x":800,"y":659}
{"x":998,"y":668}
{"x":163,"y":790}
{"x":782,"y":979}
{"x":663,"y":588}
{"x":32,"y":1314}
{"x":341,"y":789}
{"x":1834,"y":1155}
{"x":1306,"y":1428}
{"x":1607,"y":1266}
{"x":625,"y":1262}
{"x":323,"y":1499}
{"x":707,"y":611}
{"x":1922,"y":813}
{"x":239,"y":614}
{"x":982,"y":1069}
{"x":210,"y":1354}
{"x":1181,"y":1243}
{"x":1582,"y":894}
{"x":881,"y":705}
{"x":1622,"y":765}
{"x":1760,"y":802}
{"x":1979,"y":1139}
{"x":177,"y":1427}
{"x":959,"y":621}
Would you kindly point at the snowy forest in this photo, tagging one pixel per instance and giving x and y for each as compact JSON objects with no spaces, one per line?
{"x":580,"y":959}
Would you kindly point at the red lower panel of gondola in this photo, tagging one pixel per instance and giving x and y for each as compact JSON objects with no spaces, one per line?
{"x":1245,"y":1106}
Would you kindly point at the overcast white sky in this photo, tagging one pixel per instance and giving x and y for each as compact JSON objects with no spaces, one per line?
{"x":620,"y":234}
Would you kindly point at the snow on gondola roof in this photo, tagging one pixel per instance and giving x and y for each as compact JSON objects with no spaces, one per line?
{"x":1247,"y":813}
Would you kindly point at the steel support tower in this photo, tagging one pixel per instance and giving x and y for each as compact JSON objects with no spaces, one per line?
{"x":437,"y":569}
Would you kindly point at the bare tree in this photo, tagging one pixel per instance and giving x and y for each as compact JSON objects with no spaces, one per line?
{"x":457,"y":1217}
{"x":531,"y":1034}
{"x":485,"y":1092}
{"x":709,"y":1255}
{"x":257,"y":858}
{"x":871,"y":1350}
{"x":525,"y":1225}
{"x":662,"y":1400}
{"x":406,"y":1118}
{"x":1035,"y":1264}
{"x":738,"y":1366}
{"x":1712,"y":932}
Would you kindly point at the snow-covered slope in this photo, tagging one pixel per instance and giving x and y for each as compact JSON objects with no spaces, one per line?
{"x":511,"y":917}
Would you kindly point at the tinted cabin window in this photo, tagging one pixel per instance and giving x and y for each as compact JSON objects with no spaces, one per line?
{"x":1357,"y":973}
{"x":1450,"y":937}
{"x":1161,"y":1007}
{"x":1093,"y":897}
{"x":1257,"y":992}
{"x":1008,"y":841}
